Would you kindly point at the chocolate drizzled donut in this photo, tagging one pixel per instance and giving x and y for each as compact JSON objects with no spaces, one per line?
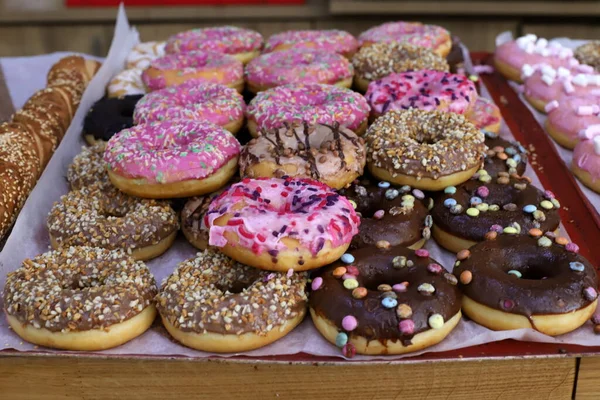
{"x":503,"y":156}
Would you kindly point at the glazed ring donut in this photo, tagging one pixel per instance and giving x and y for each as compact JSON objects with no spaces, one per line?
{"x":211,"y":102}
{"x":281,"y":224}
{"x":243,"y":44}
{"x":570,"y":115}
{"x":485,"y":115}
{"x":209,"y":67}
{"x":424,"y":89}
{"x":195,"y":157}
{"x":389,"y":216}
{"x":503,"y":156}
{"x":143,"y":54}
{"x":381,"y":59}
{"x":107,"y":117}
{"x":93,"y":299}
{"x":331,"y":40}
{"x":326,"y":153}
{"x":586,"y":161}
{"x":298,"y":65}
{"x":427,"y":150}
{"x":589,"y":54}
{"x":229,"y":307}
{"x":314,"y":103}
{"x":126,"y":83}
{"x":110,"y":219}
{"x":387,"y":301}
{"x":463,"y":215}
{"x":432,"y":37}
{"x":527,"y":281}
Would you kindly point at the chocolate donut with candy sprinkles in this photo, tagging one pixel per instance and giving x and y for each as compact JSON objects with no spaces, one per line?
{"x":503,"y":156}
{"x":384,"y":301}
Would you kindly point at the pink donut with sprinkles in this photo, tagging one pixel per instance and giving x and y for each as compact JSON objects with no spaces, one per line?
{"x":211,"y":102}
{"x":281,"y":224}
{"x":485,"y":115}
{"x":425,"y":90}
{"x":314,"y":103}
{"x":298,"y":66}
{"x":243,"y":44}
{"x":331,"y":40}
{"x":432,"y":37}
{"x":168,"y":159}
{"x":570,"y":115}
{"x":205,"y":66}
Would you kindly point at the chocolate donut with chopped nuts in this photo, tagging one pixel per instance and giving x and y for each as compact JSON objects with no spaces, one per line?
{"x":589,"y":53}
{"x":503,"y":156}
{"x":462,"y":215}
{"x":80,"y":298}
{"x":213,"y":303}
{"x":330,"y":154}
{"x":384,"y":301}
{"x":527,"y":281}
{"x":88,"y":168}
{"x":389,"y":216}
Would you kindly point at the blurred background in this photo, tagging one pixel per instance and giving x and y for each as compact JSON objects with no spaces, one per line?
{"x":29,"y":27}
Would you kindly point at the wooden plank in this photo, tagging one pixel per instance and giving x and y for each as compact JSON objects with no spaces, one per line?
{"x":84,"y":378}
{"x":588,"y":379}
{"x":6,"y":106}
{"x":574,"y":31}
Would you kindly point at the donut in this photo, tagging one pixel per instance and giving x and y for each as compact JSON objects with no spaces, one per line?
{"x":503,"y":156}
{"x":589,"y":54}
{"x":229,"y":307}
{"x":431,"y":37}
{"x":126,"y":83}
{"x":463,"y":215}
{"x":206,"y":66}
{"x":298,"y":65}
{"x":569,"y":115}
{"x":243,"y":44}
{"x":428,"y":150}
{"x":194,"y":158}
{"x":191,"y":220}
{"x":527,"y":281}
{"x":330,"y":40}
{"x":543,"y":84}
{"x":485,"y":115}
{"x":389,"y":216}
{"x":326,"y":153}
{"x":143,"y":54}
{"x":109,"y":116}
{"x":281,"y":224}
{"x":586,"y":160}
{"x":88,"y":169}
{"x":512,"y":56}
{"x":381,"y":59}
{"x":211,"y":102}
{"x":424,"y":89}
{"x":80,"y":298}
{"x":314,"y":103}
{"x":387,"y":301}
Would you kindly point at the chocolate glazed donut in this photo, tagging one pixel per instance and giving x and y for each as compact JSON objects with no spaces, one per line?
{"x":109,"y":116}
{"x":389,"y":216}
{"x":388,"y":301}
{"x":530,"y":281}
{"x":503,"y":155}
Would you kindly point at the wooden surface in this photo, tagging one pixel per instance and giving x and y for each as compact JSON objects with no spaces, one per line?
{"x":588,"y":379}
{"x":80,"y":378}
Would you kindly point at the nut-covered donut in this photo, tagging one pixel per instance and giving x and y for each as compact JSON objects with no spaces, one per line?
{"x":589,"y":53}
{"x":389,"y":216}
{"x":214,"y":303}
{"x":80,"y":298}
{"x":385,"y":301}
{"x":527,"y":281}
{"x":424,"y":149}
{"x":89,"y":169}
{"x":463,"y":215}
{"x":503,"y":156}
{"x":327,"y":153}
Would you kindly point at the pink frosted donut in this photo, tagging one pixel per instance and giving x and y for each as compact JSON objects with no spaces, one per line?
{"x":511,"y":56}
{"x":543,"y":83}
{"x":432,"y":37}
{"x":298,"y":66}
{"x":244,"y":44}
{"x":314,"y":103}
{"x":424,"y":89}
{"x":331,"y":40}
{"x":167,"y":159}
{"x":281,"y":224}
{"x":211,"y":67}
{"x":211,"y":102}
{"x":570,"y":115}
{"x":485,"y":115}
{"x":586,"y":159}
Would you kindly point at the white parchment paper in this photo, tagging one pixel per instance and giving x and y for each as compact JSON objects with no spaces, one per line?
{"x":30,"y":237}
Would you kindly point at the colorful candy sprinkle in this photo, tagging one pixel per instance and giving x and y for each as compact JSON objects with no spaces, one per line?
{"x":572,"y":247}
{"x":544,"y":242}
{"x":341,"y":339}
{"x":378,"y":214}
{"x":384,"y":184}
{"x":426,"y":288}
{"x":339,"y":272}
{"x":449,"y":203}
{"x":529,"y":208}
{"x":349,"y":350}
{"x":466,"y":277}
{"x":384,"y":287}
{"x":547,"y":205}
{"x":349,"y":323}
{"x":435,"y":268}
{"x":510,"y":230}
{"x":418,"y":194}
{"x":404,"y":311}
{"x":406,"y":327}
{"x":347,"y":258}
{"x":316,"y":283}
{"x":350,"y":283}
{"x":496,"y":228}
{"x":483,"y":191}
{"x":463,"y":254}
{"x":507,"y":304}
{"x":399,"y":288}
{"x":535,"y":232}
{"x":472,"y":212}
{"x":450,"y":190}
{"x":422,"y":253}
{"x":351,"y":269}
{"x":515,"y":273}
{"x":436,"y":321}
{"x":359,"y":293}
{"x":451,"y":279}
{"x":576,"y":266}
{"x":590,"y":293}
{"x":389,"y":302}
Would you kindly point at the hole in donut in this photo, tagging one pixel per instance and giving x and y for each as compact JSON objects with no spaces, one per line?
{"x":534,"y":272}
{"x":426,"y":137}
{"x":235,"y":287}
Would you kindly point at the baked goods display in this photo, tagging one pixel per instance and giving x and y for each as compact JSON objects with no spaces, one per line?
{"x":284,"y":213}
